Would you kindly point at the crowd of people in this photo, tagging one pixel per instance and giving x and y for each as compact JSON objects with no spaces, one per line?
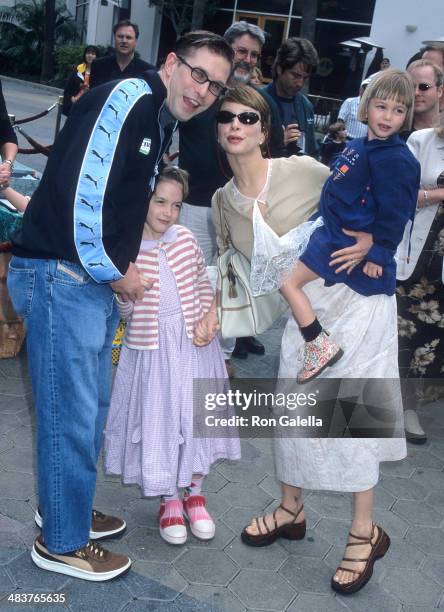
{"x":113,"y":231}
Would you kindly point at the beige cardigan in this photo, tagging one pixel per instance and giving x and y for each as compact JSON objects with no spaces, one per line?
{"x":293,"y":196}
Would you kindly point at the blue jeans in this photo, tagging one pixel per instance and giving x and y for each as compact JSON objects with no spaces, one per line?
{"x":70,"y":321}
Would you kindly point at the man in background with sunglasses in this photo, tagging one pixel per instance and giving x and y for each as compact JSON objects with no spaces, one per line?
{"x":427,"y":78}
{"x":206,"y":163}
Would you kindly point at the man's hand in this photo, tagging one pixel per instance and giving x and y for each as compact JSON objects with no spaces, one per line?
{"x":291,"y":133}
{"x":132,"y":285}
{"x":350,"y":257}
{"x":373,"y":270}
{"x":206,"y":329}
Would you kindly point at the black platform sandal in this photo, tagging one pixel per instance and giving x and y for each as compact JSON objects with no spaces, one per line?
{"x":288,"y":531}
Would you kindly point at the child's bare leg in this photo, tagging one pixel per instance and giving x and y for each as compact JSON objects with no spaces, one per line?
{"x":319,"y":352}
{"x":296,"y":298}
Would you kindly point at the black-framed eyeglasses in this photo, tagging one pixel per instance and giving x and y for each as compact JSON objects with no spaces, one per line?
{"x":247,"y":117}
{"x":201,"y":77}
{"x":243,"y":52}
{"x":424,"y":86}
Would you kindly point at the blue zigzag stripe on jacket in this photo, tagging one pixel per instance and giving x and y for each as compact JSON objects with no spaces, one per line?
{"x":94,"y":173}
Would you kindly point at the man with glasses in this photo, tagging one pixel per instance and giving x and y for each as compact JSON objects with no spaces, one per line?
{"x":246,"y":40}
{"x":428,"y":80}
{"x":207,"y":165}
{"x":77,"y":247}
{"x":296,"y":60}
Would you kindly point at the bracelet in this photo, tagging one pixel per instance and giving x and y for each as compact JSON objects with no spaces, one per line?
{"x":8,"y":161}
{"x":118,"y":299}
{"x":426,"y":195}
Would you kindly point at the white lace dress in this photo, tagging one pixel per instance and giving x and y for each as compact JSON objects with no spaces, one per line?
{"x":273,"y":257}
{"x":366,"y":328}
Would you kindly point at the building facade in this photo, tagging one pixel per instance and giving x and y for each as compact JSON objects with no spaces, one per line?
{"x":398,"y":26}
{"x":95,"y":20}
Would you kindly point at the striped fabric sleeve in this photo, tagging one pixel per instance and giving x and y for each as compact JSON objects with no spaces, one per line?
{"x":125,"y":308}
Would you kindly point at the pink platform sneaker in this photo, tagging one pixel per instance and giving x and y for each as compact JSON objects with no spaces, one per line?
{"x":172,"y":526}
{"x":318,"y":355}
{"x":201,"y":524}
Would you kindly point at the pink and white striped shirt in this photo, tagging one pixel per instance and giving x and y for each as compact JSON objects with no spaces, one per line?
{"x":186,"y":261}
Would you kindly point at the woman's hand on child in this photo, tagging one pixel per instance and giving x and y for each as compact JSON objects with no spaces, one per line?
{"x":372,"y":270}
{"x":132,"y":286}
{"x":206,"y":329}
{"x":350,"y":257}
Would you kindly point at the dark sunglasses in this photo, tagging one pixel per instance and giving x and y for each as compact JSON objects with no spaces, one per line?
{"x":247,"y":117}
{"x":424,"y":86}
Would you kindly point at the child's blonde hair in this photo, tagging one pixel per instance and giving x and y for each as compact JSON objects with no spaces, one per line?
{"x":256,"y":72}
{"x":390,"y":85}
{"x":172,"y":173}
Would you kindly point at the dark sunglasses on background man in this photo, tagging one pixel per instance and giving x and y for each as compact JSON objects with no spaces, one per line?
{"x":424,"y":86}
{"x":247,"y":117}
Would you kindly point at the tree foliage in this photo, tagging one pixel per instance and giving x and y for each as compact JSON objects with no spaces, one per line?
{"x":186,"y":14}
{"x":22,"y":34}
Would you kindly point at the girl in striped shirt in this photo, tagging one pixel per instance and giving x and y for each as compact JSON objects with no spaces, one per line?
{"x":149,"y":434}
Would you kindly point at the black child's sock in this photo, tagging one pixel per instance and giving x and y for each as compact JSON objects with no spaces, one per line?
{"x":312,"y":331}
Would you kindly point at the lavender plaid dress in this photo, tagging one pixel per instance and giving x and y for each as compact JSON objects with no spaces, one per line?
{"x":149,"y":433}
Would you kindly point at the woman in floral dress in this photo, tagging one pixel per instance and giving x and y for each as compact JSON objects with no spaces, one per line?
{"x":420,"y":292}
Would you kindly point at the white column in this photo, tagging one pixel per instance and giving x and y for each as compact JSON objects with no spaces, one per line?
{"x":93,"y":18}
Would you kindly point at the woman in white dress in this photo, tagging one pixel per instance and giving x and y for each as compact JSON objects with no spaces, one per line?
{"x":287,"y":192}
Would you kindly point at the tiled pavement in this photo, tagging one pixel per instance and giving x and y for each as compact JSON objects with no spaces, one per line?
{"x":224,"y":574}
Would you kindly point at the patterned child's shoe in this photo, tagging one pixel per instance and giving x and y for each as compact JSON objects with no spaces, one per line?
{"x":201,"y":524}
{"x":172,"y":526}
{"x":318,"y":355}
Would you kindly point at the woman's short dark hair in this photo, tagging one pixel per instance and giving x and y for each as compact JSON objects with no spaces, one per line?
{"x":296,"y":51}
{"x":200,"y":39}
{"x":126,"y":23}
{"x":173,"y":173}
{"x":90,"y":49}
{"x":249,"y":96}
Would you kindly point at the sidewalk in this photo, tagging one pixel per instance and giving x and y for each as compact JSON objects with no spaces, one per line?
{"x":224,"y":574}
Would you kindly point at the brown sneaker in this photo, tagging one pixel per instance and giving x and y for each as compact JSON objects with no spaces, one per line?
{"x":92,"y":562}
{"x":103,"y":526}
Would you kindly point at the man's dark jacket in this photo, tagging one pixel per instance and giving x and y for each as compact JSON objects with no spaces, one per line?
{"x":7,"y":134}
{"x":106,"y":69}
{"x":303,"y":110}
{"x":92,"y":200}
